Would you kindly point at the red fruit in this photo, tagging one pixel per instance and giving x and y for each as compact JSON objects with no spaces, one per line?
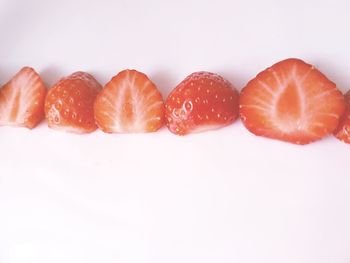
{"x":69,"y":104}
{"x":343,"y":130}
{"x":129,"y":103}
{"x":22,"y":99}
{"x":291,"y":101}
{"x":202,"y":101}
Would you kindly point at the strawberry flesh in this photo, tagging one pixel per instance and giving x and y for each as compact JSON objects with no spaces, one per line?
{"x":343,"y":130}
{"x":129,"y":103}
{"x":291,"y":101}
{"x":22,"y":100}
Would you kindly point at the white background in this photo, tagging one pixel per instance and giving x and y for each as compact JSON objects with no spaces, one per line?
{"x":221,"y":196}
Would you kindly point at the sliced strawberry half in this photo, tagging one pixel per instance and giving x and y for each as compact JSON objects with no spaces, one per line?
{"x":202,"y":101}
{"x":291,"y":101}
{"x":129,"y":103}
{"x":343,"y":130}
{"x":69,"y":103}
{"x":22,"y":99}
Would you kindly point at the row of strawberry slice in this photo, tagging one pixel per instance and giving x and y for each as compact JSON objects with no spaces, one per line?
{"x":290,"y":101}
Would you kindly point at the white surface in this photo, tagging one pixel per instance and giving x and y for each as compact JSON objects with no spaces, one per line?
{"x":223,"y":196}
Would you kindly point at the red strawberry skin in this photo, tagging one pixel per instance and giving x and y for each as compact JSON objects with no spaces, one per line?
{"x":22,"y":100}
{"x":291,"y":101}
{"x":129,"y":103}
{"x":69,"y":103}
{"x":202,"y":101}
{"x":343,"y":130}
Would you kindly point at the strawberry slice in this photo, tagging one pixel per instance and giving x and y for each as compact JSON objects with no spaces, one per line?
{"x":343,"y":130}
{"x":291,"y":101}
{"x":129,"y":103}
{"x":69,"y":104}
{"x":22,"y":100}
{"x":202,"y":101}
